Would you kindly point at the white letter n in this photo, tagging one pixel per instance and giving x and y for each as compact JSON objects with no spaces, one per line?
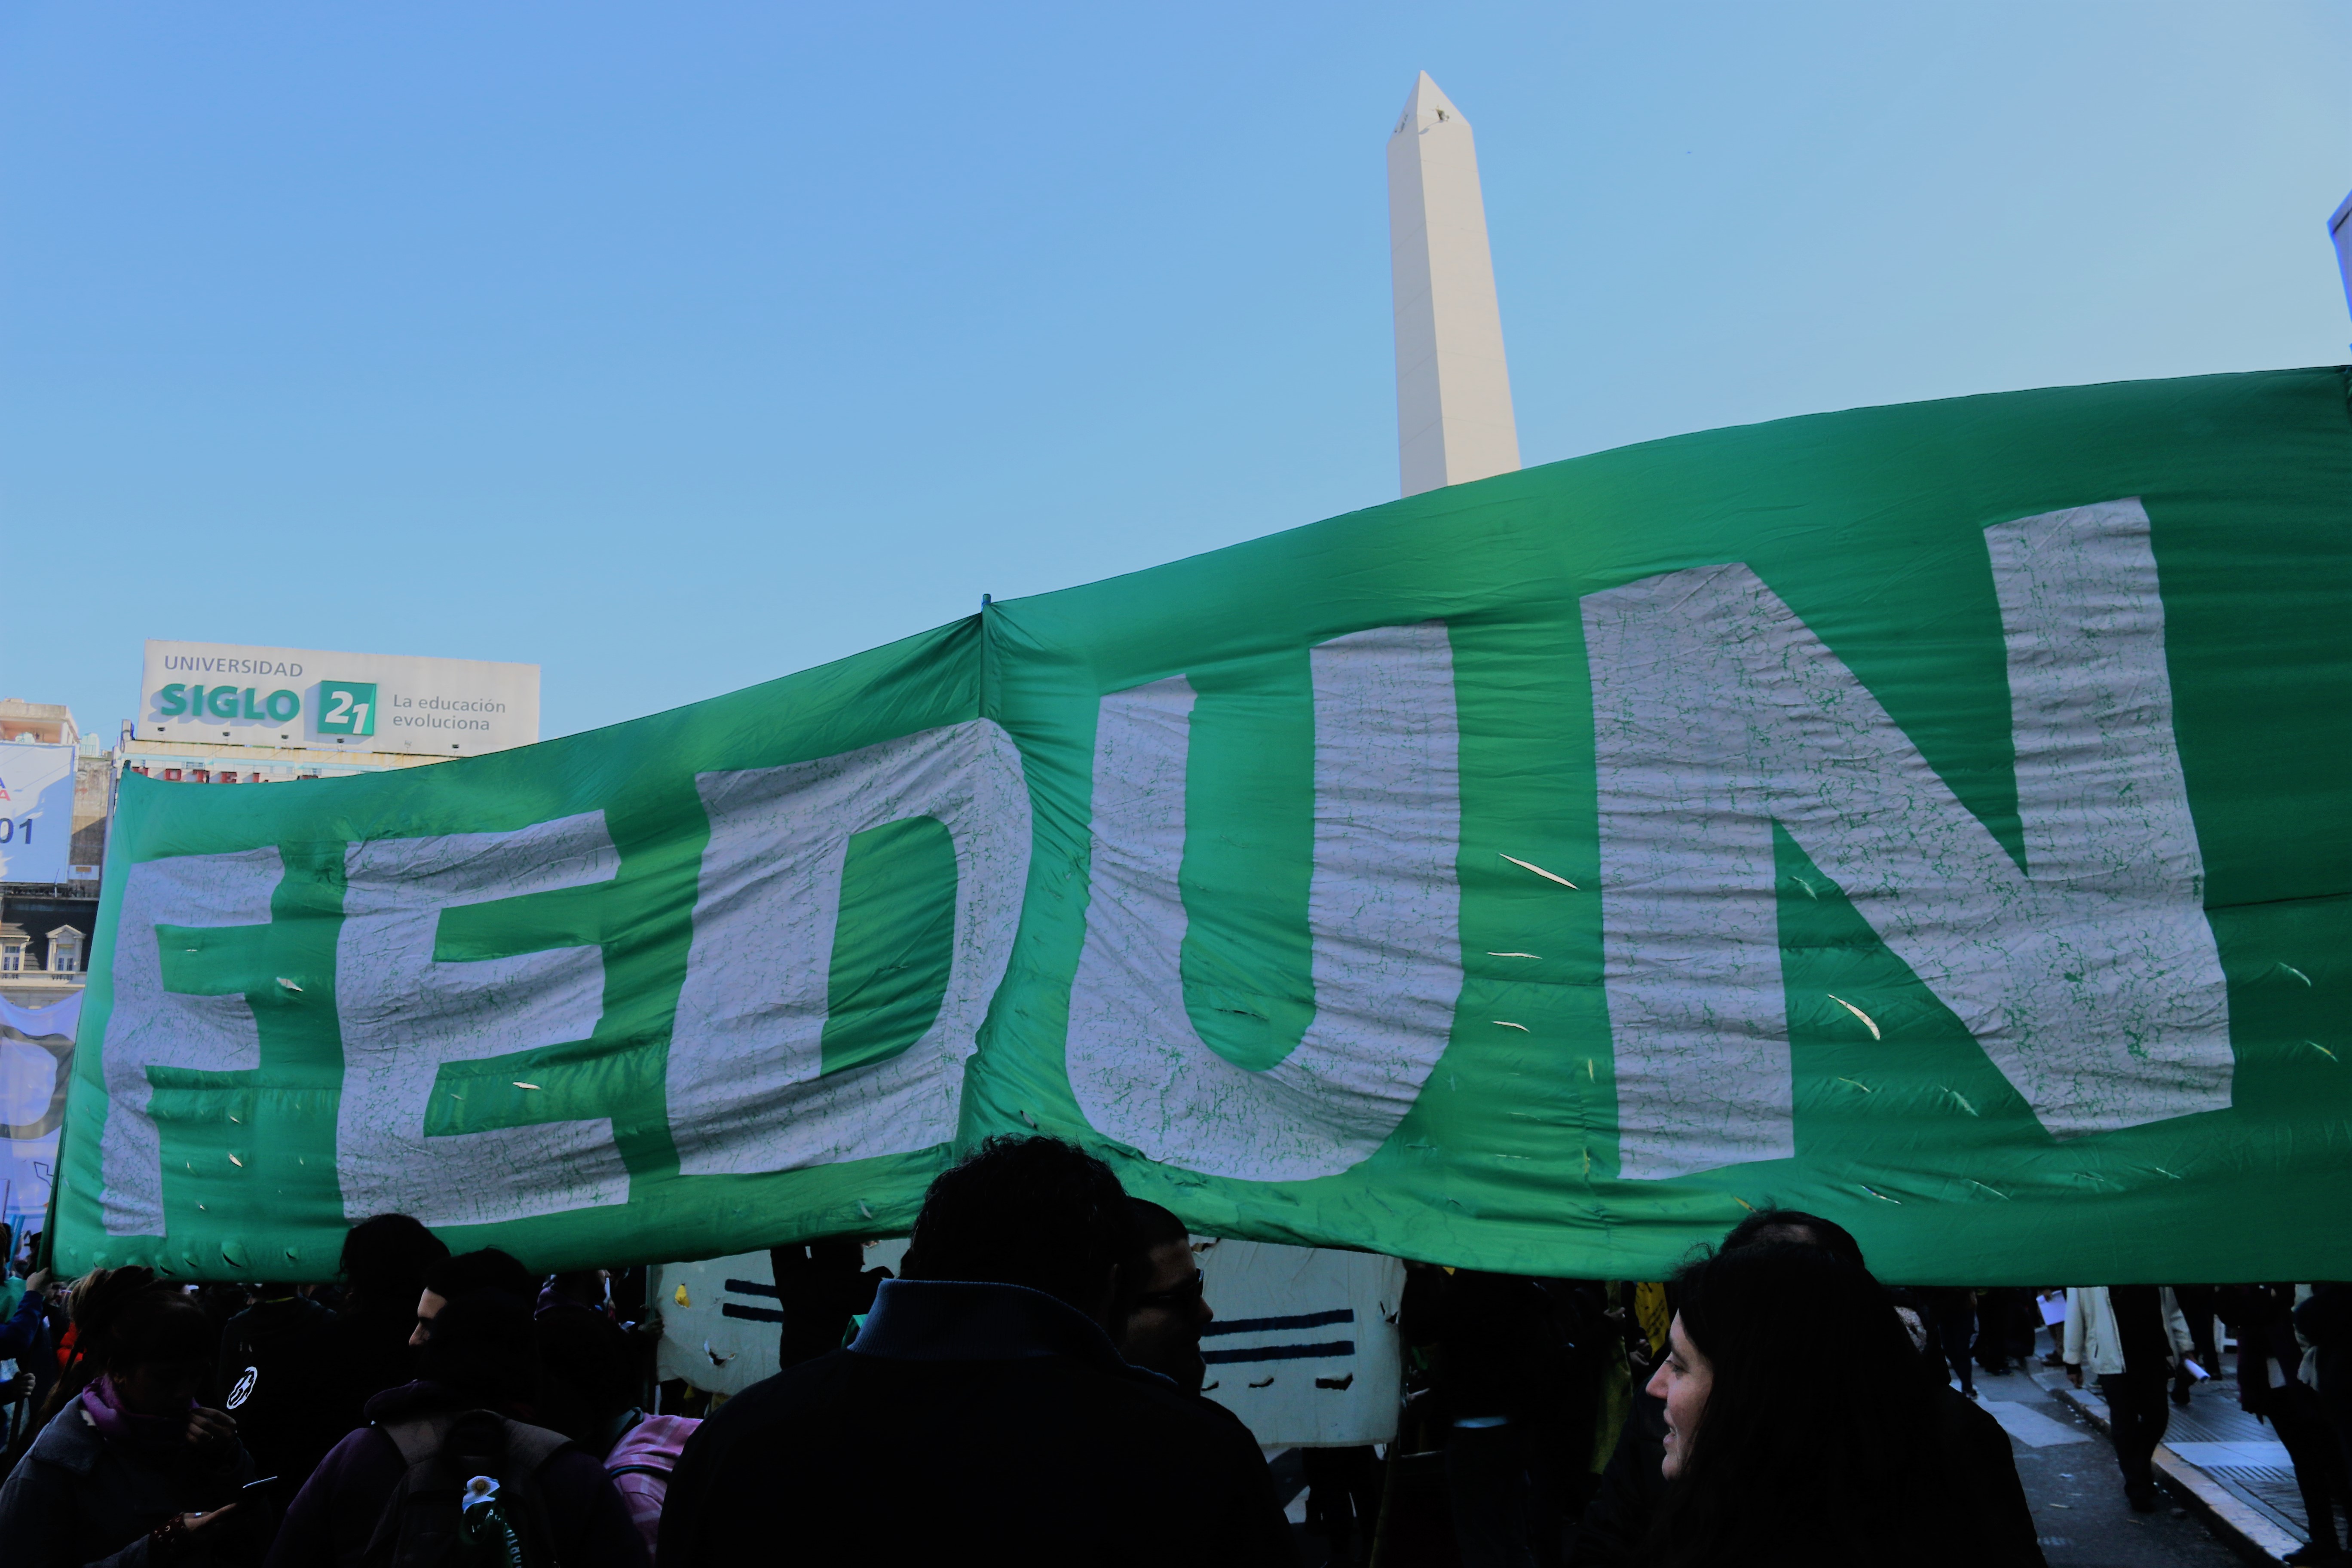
{"x":2090,"y":978}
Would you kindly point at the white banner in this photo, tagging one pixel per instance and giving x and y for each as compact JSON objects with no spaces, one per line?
{"x":1305,"y":1347}
{"x":713,"y":1348}
{"x":36,"y":799}
{"x":35,"y":1059}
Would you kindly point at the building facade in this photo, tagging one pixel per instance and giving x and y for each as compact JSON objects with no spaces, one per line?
{"x":46,"y":927}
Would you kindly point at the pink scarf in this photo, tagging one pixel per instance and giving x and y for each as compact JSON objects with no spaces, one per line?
{"x":118,"y":1422}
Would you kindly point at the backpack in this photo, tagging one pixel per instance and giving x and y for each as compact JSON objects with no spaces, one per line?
{"x":421,"y":1526}
{"x":641,"y":1464}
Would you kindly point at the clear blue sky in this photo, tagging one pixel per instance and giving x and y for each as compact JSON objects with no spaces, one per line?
{"x":677,"y":347}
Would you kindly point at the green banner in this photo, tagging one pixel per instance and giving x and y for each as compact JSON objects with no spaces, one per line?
{"x":1933,"y":816}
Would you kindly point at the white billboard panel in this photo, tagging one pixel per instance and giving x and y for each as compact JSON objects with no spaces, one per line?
{"x":227,"y":694}
{"x":37,"y":806}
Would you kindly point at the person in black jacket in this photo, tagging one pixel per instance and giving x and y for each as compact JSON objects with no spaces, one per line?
{"x":2324,"y":1318}
{"x":2270,"y":1385}
{"x":983,"y":1414}
{"x":276,"y":1375}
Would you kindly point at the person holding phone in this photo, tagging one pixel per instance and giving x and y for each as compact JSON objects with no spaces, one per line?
{"x":132,"y":1472}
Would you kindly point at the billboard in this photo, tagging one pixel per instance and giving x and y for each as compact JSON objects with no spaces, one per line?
{"x":37,"y":801}
{"x":228,"y":694}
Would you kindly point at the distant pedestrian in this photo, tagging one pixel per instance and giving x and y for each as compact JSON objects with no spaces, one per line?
{"x":2007,"y":1319}
{"x":2132,"y":1339}
{"x":2198,"y":1306}
{"x":2271,"y":1386}
{"x":983,"y":1413}
{"x":1952,"y":1325}
{"x":132,"y":1471}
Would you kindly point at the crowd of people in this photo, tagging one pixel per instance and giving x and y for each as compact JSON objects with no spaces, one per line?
{"x":2147,"y":1345}
{"x":1029,"y":1388}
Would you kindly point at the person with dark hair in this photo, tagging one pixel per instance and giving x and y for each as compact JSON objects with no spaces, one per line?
{"x":590,"y":1395}
{"x":1767,"y":1461}
{"x":382,"y":1266}
{"x":1617,"y":1517}
{"x":1983,"y":1466}
{"x":1770,"y":1224}
{"x":479,"y":1371}
{"x":982,"y":1411}
{"x":132,"y":1472}
{"x":468,"y":1274}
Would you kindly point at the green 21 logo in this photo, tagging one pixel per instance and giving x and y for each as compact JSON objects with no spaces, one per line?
{"x":347,"y":708}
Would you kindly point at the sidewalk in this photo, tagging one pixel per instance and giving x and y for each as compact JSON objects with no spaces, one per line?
{"x":2227,"y":1467}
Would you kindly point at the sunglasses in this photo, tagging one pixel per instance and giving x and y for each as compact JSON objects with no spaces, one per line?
{"x":1174,"y":1300}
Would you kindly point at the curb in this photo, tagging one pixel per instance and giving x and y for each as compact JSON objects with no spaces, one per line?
{"x":2248,"y":1533}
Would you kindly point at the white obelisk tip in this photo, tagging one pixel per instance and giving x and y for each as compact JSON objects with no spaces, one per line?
{"x":1425,"y":106}
{"x":1453,"y":390}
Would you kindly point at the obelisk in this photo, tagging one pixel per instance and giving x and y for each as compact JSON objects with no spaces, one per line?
{"x":1454,"y":392}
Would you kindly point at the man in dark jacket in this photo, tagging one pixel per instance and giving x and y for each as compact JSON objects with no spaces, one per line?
{"x":480,"y":1356}
{"x":2326,"y":1320}
{"x":277,"y":1376}
{"x":983,"y":1413}
{"x":384,"y":1264}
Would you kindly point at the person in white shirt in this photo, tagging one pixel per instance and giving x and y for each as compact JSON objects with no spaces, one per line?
{"x":2132,"y":1338}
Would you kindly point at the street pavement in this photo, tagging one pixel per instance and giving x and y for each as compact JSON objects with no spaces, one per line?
{"x":2077,"y":1493}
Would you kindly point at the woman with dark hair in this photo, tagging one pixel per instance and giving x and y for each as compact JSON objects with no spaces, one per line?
{"x":1772,"y":1458}
{"x":133,"y":1473}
